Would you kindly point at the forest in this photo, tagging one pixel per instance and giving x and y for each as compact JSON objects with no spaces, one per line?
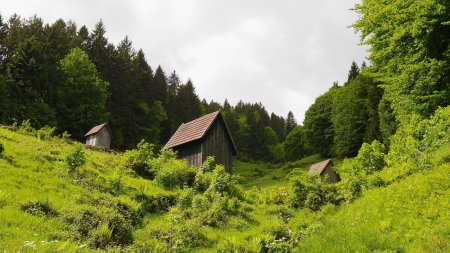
{"x":386,"y":129}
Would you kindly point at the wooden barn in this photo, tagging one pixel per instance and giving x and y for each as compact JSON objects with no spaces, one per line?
{"x":99,"y":136}
{"x":203,"y":137}
{"x":325,"y":168}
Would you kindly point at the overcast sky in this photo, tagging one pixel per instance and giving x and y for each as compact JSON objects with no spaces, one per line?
{"x":282,"y":53}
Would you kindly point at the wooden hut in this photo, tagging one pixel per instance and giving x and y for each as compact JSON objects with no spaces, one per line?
{"x":203,"y":137}
{"x":99,"y":136}
{"x":325,"y":169}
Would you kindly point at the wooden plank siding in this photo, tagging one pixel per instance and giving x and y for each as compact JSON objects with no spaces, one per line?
{"x":218,"y":144}
{"x":203,"y":137}
{"x":192,"y":152}
{"x":101,"y":138}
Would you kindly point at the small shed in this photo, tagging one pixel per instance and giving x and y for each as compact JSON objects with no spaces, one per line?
{"x":203,"y":137}
{"x":99,"y":136}
{"x":325,"y":168}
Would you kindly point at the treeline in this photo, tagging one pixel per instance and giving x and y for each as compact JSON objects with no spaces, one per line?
{"x":408,"y":79}
{"x":72,"y":79}
{"x":342,"y":119}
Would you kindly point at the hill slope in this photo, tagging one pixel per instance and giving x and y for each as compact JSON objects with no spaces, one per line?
{"x":108,"y":204}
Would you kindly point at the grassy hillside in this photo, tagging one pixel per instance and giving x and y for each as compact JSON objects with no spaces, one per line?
{"x":44,"y":206}
{"x":139,"y":201}
{"x":412,"y":215}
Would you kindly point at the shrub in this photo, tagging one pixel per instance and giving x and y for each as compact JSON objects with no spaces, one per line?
{"x":371,"y":157}
{"x":45,"y":133}
{"x":221,"y":181}
{"x":185,"y":199}
{"x":25,"y":127}
{"x":138,"y":159}
{"x":181,"y":237}
{"x":312,"y":193}
{"x":65,"y":135}
{"x":202,"y":181}
{"x":278,"y":195}
{"x":39,"y":208}
{"x":208,"y":165}
{"x":157,"y":203}
{"x":75,"y":158}
{"x":175,"y":173}
{"x":101,"y":226}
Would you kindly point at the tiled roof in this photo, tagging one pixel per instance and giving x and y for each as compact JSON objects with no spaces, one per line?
{"x":195,"y":130}
{"x":95,"y":129}
{"x":319,"y":167}
{"x":192,"y":130}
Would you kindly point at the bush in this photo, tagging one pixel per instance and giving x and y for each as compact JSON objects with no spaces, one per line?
{"x":175,"y":173}
{"x":101,"y":226}
{"x":278,"y":196}
{"x":202,"y":181}
{"x":312,"y":193}
{"x":45,"y":133}
{"x":157,"y":203}
{"x":180,"y":237}
{"x":25,"y":128}
{"x":208,"y":165}
{"x":138,"y":159}
{"x":39,"y":208}
{"x":371,"y":157}
{"x":75,"y":158}
{"x":221,"y":181}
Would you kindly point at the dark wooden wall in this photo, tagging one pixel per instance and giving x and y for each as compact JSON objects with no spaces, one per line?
{"x":332,"y":176}
{"x":217,"y":143}
{"x":192,"y":152}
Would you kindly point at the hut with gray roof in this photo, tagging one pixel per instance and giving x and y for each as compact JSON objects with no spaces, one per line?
{"x":325,"y":169}
{"x":99,"y":136}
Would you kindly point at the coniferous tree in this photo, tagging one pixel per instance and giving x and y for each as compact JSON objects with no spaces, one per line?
{"x":291,"y":123}
{"x":278,"y":124}
{"x":353,"y":73}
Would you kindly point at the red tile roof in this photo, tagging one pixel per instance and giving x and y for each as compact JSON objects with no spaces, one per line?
{"x":194,"y":130}
{"x":96,"y":129}
{"x":319,"y":167}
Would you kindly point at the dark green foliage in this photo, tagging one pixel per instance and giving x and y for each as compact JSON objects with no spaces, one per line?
{"x":318,"y":124}
{"x":82,"y":96}
{"x":353,"y":72}
{"x":388,"y":123}
{"x":355,"y":117}
{"x":294,"y":144}
{"x":157,"y":203}
{"x":291,"y":123}
{"x":2,"y":148}
{"x":39,"y":208}
{"x":75,"y":158}
{"x":278,"y":124}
